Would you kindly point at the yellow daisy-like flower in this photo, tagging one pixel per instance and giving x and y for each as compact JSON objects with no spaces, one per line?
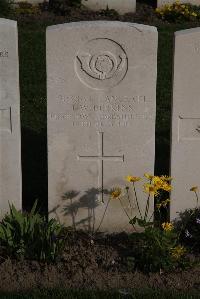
{"x":151,"y":189}
{"x":132,"y":179}
{"x":193,"y":14}
{"x":148,"y":176}
{"x":116,"y":192}
{"x":194,"y":189}
{"x":165,"y":202}
{"x":157,"y":181}
{"x":167,"y":226}
{"x":177,"y":252}
{"x":166,"y":178}
{"x":166,"y":187}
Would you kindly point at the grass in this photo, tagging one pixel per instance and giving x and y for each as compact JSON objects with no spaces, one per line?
{"x":69,"y":294}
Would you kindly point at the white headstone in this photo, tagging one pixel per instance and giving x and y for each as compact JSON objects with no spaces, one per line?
{"x":101,"y":117}
{"x":121,"y":6}
{"x":185,"y":158}
{"x":10,"y":136}
{"x":164,"y":2}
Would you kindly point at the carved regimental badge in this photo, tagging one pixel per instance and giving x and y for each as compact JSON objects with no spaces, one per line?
{"x":101,"y":63}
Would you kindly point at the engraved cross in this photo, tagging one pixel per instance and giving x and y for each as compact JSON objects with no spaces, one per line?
{"x":100,"y":158}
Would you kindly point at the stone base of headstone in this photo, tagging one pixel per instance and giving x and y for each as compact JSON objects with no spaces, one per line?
{"x":121,"y":7}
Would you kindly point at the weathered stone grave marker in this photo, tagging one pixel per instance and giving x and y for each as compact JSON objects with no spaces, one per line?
{"x":122,"y":7}
{"x":101,"y":117}
{"x":185,"y":158}
{"x":10,"y":140}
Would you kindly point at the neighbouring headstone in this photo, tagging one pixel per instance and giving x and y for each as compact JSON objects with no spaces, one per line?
{"x":164,"y":2}
{"x":185,"y":158}
{"x":121,"y":6}
{"x":101,"y":118}
{"x":10,"y":135}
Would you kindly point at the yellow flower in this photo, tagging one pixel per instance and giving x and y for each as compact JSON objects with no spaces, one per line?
{"x":195,"y":188}
{"x":178,"y":252}
{"x":116,"y":192}
{"x":166,"y":178}
{"x":166,"y":187}
{"x":151,"y":189}
{"x":132,"y":179}
{"x":158,"y":182}
{"x":167,"y":226}
{"x":194,"y":14}
{"x":165,"y":202}
{"x":148,"y":176}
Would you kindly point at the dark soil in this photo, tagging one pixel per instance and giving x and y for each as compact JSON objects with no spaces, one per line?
{"x":100,"y":263}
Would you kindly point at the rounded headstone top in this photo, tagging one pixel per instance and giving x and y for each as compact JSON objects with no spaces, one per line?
{"x":112,"y":24}
{"x":8,"y":22}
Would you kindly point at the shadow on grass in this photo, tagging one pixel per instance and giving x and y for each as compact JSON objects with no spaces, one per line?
{"x":34,"y":169}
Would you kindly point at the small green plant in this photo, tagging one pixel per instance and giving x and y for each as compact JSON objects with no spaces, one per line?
{"x":155,"y":186}
{"x":158,"y":249}
{"x":108,"y":12}
{"x":187,"y":225}
{"x":30,"y":236}
{"x":178,"y":12}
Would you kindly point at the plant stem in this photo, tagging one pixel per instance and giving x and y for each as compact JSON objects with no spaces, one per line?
{"x":137,"y":200}
{"x":147,"y":207}
{"x":129,"y":199}
{"x":103,"y":216}
{"x":197,"y":198}
{"x":126,"y":213}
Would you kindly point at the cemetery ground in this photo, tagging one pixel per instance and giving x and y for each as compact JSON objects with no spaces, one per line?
{"x":103,"y":264}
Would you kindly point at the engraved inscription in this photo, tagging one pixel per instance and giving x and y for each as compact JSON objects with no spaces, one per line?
{"x":104,"y":111}
{"x":188,"y":128}
{"x":5,"y":120}
{"x":100,"y":158}
{"x":3,"y":53}
{"x":198,"y":129}
{"x":101,"y":64}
